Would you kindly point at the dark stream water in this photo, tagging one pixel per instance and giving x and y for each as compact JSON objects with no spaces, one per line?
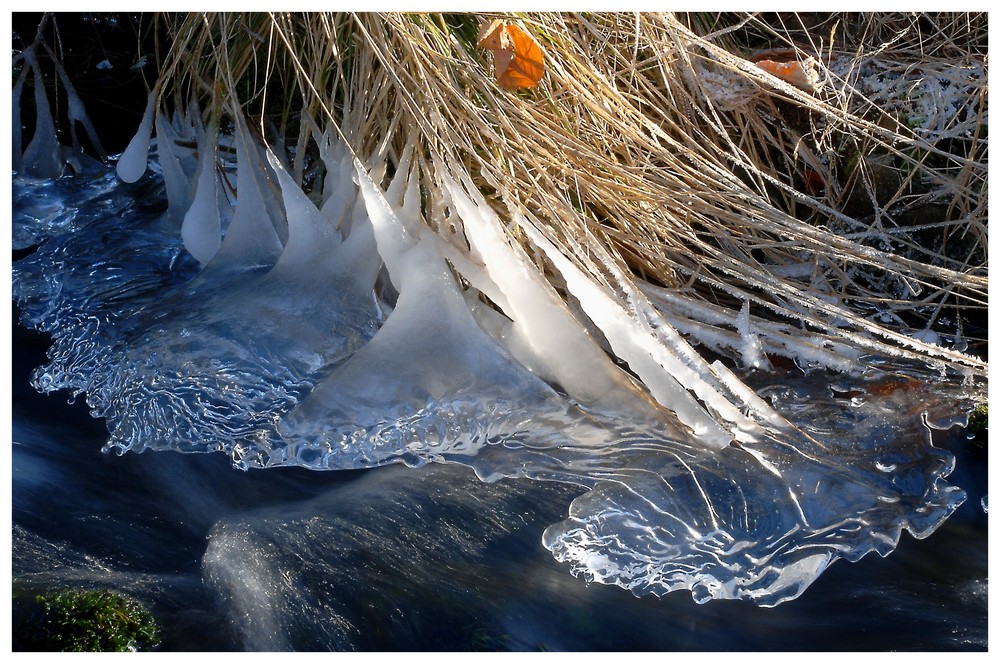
{"x":419,"y":559}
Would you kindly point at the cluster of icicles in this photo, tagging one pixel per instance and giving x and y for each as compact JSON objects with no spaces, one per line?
{"x":370,"y":326}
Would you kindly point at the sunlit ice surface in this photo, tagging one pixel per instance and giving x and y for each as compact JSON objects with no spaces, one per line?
{"x":287,"y":345}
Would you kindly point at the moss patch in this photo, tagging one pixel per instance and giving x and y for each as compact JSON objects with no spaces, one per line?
{"x":86,"y":621}
{"x":978,"y":428}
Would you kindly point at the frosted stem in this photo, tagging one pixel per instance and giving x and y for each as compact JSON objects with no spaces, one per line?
{"x":546,"y":337}
{"x":652,"y":362}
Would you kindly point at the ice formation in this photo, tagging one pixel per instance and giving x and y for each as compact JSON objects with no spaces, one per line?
{"x":350,"y":334}
{"x":42,"y":156}
{"x":202,"y":227}
{"x":132,"y":162}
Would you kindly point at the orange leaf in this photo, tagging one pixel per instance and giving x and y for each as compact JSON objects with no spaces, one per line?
{"x":492,"y":36}
{"x":792,"y":72}
{"x":516,"y":55}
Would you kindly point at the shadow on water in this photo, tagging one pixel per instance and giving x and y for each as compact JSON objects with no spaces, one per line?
{"x":418,"y":559}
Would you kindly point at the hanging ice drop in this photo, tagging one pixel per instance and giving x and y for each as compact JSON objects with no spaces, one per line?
{"x":132,"y":163}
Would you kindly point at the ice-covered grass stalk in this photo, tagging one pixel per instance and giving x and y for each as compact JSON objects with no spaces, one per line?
{"x":844,"y":209}
{"x":685,"y":188}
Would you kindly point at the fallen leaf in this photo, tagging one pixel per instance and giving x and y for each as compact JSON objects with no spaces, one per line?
{"x":516,"y":55}
{"x":802,"y":75}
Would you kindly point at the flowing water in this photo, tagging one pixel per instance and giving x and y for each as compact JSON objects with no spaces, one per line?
{"x":282,"y":556}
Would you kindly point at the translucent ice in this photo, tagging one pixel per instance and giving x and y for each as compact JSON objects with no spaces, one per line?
{"x":252,"y":239}
{"x":169,"y":158}
{"x":762,"y":521}
{"x":211,"y":363}
{"x":132,"y":162}
{"x":41,"y":157}
{"x":17,"y":141}
{"x":414,"y":392}
{"x":654,"y":362}
{"x":202,"y":226}
{"x":77,"y":113}
{"x":349,"y":334}
{"x":544,"y":337}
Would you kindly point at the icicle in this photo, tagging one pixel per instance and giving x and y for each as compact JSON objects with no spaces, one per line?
{"x":392,"y":235}
{"x":314,"y":248}
{"x":653,"y":363}
{"x":307,"y":229}
{"x":251,"y":239}
{"x":670,"y":348}
{"x":475,"y":273}
{"x":750,"y":398}
{"x":415,"y":391}
{"x":76,"y":111}
{"x":338,"y":186}
{"x":750,"y":348}
{"x":647,"y":320}
{"x":41,"y":157}
{"x":700,"y":320}
{"x":175,"y":180}
{"x":202,"y":227}
{"x":546,"y":338}
{"x":132,"y":162}
{"x":17,"y":144}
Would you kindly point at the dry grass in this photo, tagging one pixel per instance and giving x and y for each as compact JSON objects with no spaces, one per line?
{"x":655,"y":142}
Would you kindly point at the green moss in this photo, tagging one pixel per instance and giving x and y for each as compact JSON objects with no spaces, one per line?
{"x":88,"y":621}
{"x":978,"y":423}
